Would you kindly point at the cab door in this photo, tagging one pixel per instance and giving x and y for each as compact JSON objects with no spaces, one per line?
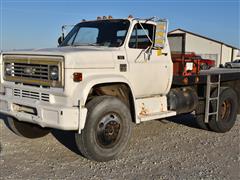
{"x":149,"y":70}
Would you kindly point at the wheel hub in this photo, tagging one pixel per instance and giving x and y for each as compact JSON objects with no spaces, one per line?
{"x":225,"y":109}
{"x":108,"y":130}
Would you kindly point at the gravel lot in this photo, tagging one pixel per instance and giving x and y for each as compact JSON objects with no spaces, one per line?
{"x":167,"y":149}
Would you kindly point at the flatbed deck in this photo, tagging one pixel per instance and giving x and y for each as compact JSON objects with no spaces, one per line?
{"x":220,"y":71}
{"x":201,"y":78}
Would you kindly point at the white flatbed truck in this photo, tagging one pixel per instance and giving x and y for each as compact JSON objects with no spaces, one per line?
{"x":105,"y":75}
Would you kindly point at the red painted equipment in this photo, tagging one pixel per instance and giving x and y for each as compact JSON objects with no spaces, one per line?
{"x":190,"y":64}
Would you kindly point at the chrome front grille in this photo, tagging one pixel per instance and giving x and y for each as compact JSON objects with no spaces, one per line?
{"x":33,"y":70}
{"x":36,"y":71}
{"x":31,"y":95}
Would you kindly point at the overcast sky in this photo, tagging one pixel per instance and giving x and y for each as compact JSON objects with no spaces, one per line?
{"x":37,"y":23}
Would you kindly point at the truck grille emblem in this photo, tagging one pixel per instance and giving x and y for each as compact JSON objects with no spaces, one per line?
{"x":29,"y":70}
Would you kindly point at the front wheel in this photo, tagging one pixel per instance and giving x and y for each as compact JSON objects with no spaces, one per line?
{"x":107,"y":129}
{"x":25,"y":129}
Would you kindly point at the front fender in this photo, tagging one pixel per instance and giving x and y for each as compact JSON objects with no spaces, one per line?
{"x":83,"y":89}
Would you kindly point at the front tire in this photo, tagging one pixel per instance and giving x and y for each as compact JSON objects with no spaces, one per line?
{"x":107,"y":129}
{"x":27,"y":130}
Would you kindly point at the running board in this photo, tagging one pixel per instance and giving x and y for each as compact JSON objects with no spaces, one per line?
{"x":159,"y":115}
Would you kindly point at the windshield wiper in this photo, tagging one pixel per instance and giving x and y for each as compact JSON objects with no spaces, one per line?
{"x":87,"y":44}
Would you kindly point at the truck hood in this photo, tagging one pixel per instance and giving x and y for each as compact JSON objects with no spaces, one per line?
{"x":75,"y":57}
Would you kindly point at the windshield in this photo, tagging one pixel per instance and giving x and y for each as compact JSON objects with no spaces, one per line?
{"x":110,"y":33}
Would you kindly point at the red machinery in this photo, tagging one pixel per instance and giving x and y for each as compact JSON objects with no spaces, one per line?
{"x":190,"y":64}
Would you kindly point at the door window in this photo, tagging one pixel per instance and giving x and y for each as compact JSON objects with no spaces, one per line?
{"x":139,"y":39}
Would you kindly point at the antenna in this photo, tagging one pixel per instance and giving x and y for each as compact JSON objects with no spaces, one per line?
{"x":64,"y":27}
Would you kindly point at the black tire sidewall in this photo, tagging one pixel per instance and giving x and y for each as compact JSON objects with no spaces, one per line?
{"x":200,"y":115}
{"x":200,"y":122}
{"x":95,"y":112}
{"x":223,"y":126}
{"x":26,"y":130}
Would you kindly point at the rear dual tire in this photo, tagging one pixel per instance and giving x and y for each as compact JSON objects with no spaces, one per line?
{"x":200,"y":111}
{"x":228,"y":105}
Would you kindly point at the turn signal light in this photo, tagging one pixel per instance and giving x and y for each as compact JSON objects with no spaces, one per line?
{"x":77,"y":77}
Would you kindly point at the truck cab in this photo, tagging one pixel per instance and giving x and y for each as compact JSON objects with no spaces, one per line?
{"x":127,"y":46}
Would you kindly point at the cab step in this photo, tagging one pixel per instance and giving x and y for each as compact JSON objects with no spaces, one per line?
{"x":159,"y":115}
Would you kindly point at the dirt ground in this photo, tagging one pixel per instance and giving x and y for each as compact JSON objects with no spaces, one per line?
{"x":167,"y":149}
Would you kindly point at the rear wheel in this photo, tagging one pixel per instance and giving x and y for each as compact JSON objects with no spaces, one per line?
{"x":25,"y":129}
{"x":228,"y":104}
{"x":200,"y":115}
{"x":107,"y":129}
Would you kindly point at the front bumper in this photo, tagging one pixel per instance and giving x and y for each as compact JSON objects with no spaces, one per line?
{"x":45,"y":114}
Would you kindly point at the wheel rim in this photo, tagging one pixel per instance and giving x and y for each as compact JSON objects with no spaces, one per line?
{"x":108,"y":130}
{"x":225,"y":110}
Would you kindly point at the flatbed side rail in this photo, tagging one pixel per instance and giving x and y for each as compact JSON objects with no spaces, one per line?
{"x":201,"y":78}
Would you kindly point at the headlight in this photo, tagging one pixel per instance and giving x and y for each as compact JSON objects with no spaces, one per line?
{"x":8,"y":69}
{"x":54,"y":73}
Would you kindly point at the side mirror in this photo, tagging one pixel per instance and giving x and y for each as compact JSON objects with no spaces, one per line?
{"x":60,"y":40}
{"x":161,"y":33}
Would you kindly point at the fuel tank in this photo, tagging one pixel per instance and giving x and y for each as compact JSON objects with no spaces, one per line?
{"x":182,"y":100}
